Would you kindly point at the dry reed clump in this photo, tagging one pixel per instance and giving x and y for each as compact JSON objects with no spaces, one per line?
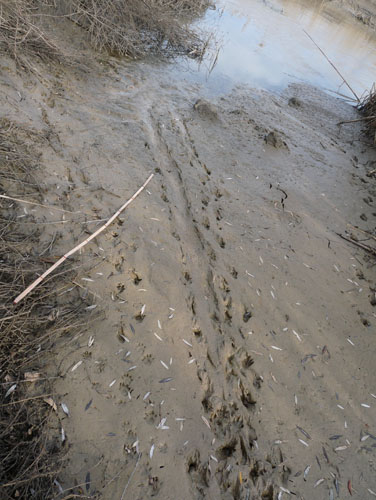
{"x":125,"y":27}
{"x":20,"y":35}
{"x":135,"y":28}
{"x":367,"y":107}
{"x":30,"y":448}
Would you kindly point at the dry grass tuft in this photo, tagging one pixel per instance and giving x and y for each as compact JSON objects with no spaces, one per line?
{"x":30,"y":448}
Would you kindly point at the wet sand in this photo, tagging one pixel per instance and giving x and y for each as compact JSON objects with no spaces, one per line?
{"x":231,"y":350}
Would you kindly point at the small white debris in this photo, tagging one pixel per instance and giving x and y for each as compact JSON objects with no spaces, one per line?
{"x":65,"y":409}
{"x":62,"y":435}
{"x":303,"y":442}
{"x":306,"y":471}
{"x":146,"y":395}
{"x":340,"y":448}
{"x":297,"y":335}
{"x":10,"y":390}
{"x":60,"y":488}
{"x":143,"y":309}
{"x":159,"y":325}
{"x":90,"y":308}
{"x":350,"y":342}
{"x":188,"y":343}
{"x":76,"y":366}
{"x":161,"y":423}
{"x":158,"y":337}
{"x":90,"y":341}
{"x":205,"y":421}
{"x":151,"y":451}
{"x":365,"y":405}
{"x":276,"y":348}
{"x":214,"y":458}
{"x":112,"y":383}
{"x":191,"y":361}
{"x":317,"y":483}
{"x":164,"y":365}
{"x":340,"y":407}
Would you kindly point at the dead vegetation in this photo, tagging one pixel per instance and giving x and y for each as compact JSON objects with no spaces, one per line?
{"x":30,"y":443}
{"x":132,"y":28}
{"x":20,"y":36}
{"x":367,"y":107}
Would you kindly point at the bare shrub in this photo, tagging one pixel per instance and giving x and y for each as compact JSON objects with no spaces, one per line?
{"x":20,"y":35}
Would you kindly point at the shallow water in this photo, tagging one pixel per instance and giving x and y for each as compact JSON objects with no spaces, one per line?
{"x":264,"y":45}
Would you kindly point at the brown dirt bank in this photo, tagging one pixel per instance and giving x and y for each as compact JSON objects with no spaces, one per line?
{"x":249,"y":372}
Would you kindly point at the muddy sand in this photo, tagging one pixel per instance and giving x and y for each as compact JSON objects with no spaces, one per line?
{"x":231,"y":351}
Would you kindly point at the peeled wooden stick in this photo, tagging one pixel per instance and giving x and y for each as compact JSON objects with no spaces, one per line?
{"x":81,"y":245}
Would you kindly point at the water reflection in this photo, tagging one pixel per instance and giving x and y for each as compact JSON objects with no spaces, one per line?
{"x":265,"y":46}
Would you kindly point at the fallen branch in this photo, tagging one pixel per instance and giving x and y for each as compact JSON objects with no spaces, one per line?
{"x":81,"y":245}
{"x":358,"y":244}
